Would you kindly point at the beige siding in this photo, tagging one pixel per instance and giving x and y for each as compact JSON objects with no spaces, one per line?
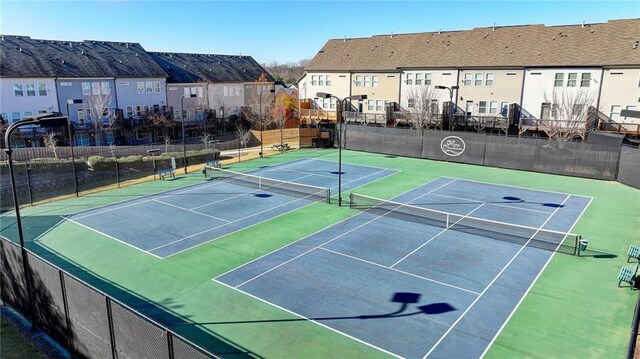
{"x":309,"y":86}
{"x":505,"y":88}
{"x":387,"y":89}
{"x":620,"y":87}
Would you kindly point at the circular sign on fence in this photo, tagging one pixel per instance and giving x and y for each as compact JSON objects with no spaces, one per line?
{"x":452,"y":146}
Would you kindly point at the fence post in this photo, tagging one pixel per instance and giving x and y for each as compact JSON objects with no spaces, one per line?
{"x":26,"y":165}
{"x":118,"y":173}
{"x":170,"y":344}
{"x":112,"y":336}
{"x":65,"y":303}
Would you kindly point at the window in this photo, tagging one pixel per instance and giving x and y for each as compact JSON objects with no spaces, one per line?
{"x":194,"y":91}
{"x":409,"y":79}
{"x":630,"y":108}
{"x":328,"y":80}
{"x":573,"y":78}
{"x":586,"y":79}
{"x":31,"y":90}
{"x":145,"y":110}
{"x":225,"y":91}
{"x":109,"y":137}
{"x":138,"y":111}
{"x":200,"y":92}
{"x":105,"y":88}
{"x":4,"y":116}
{"x":504,"y":109}
{"x":17,"y":90}
{"x":418,"y":79}
{"x":314,"y":82}
{"x":140,"y":87}
{"x":42,"y":89}
{"x":156,"y":86}
{"x":359,"y":81}
{"x":482,"y":106}
{"x":95,"y":88}
{"x":237,"y":90}
{"x":332,"y":103}
{"x":435,"y":108}
{"x":374,"y":81}
{"x":378,"y":105}
{"x":467,"y":79}
{"x":615,"y":112}
{"x":577,"y":109}
{"x":411,"y":103}
{"x":493,"y":107}
{"x":370,"y":105}
{"x":478,"y":81}
{"x":192,"y":113}
{"x":559,"y":82}
{"x":545,"y":111}
{"x":510,"y":74}
{"x":129,"y":111}
{"x":367,"y":81}
{"x":488,"y":79}
{"x":148,"y":85}
{"x":427,"y":79}
{"x":15,"y":116}
{"x":80,"y":113}
{"x":88,"y":114}
{"x":27,"y":113}
{"x":82,"y":139}
{"x":86,"y":88}
{"x":326,"y":103}
{"x":187,"y":91}
{"x":176,"y":114}
{"x":320,"y":80}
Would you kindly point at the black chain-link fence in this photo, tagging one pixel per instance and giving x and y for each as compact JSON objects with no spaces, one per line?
{"x":89,"y":323}
{"x":43,"y":174}
{"x":530,"y":154}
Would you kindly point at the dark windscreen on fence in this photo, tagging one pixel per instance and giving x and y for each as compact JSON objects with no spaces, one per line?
{"x":629,"y":172}
{"x":541,"y":155}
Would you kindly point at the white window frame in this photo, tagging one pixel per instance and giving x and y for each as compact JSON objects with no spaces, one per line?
{"x":468,"y":79}
{"x":411,"y":103}
{"x":42,"y":88}
{"x":558,"y":79}
{"x":200,"y":92}
{"x":31,"y":89}
{"x":504,"y":105}
{"x":328,"y":81}
{"x":488,"y":79}
{"x":314,"y":80}
{"x":15,"y":118}
{"x":409,"y":79}
{"x":80,"y":115}
{"x":156,"y":87}
{"x":370,"y":105}
{"x":358,"y":80}
{"x":572,"y":82}
{"x":419,"y":79}
{"x":478,"y":79}
{"x":95,"y":88}
{"x":137,"y":111}
{"x":367,"y":81}
{"x":482,"y":110}
{"x":585,"y":79}
{"x":493,"y":107}
{"x":18,"y":90}
{"x":427,"y":79}
{"x":82,"y":139}
{"x":140,"y":87}
{"x":379,"y":105}
{"x":374,"y":81}
{"x":187,"y":91}
{"x":148,"y":86}
{"x":176,"y":114}
{"x":86,"y":88}
{"x":129,"y":111}
{"x":614,"y":114}
{"x":320,"y":80}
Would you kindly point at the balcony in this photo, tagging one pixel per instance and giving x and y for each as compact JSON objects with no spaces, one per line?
{"x":307,"y":115}
{"x":366,"y":119}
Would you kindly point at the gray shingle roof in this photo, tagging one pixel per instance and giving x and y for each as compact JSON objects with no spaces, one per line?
{"x":21,"y":56}
{"x":193,"y":68}
{"x":605,"y":44}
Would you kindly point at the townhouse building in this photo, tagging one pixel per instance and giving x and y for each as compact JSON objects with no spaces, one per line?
{"x":77,"y":77}
{"x":529,"y":69}
{"x":208,"y":87}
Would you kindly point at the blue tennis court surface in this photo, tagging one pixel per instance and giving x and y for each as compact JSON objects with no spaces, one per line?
{"x":174,"y":221}
{"x":410,"y":289}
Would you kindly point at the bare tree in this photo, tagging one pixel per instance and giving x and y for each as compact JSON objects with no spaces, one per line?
{"x":102,"y":118}
{"x":166,"y":137}
{"x":243,"y":134}
{"x":422,"y":108}
{"x":565,"y":113}
{"x":51,"y":141}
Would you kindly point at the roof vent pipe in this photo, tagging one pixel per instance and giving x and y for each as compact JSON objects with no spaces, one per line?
{"x":582,"y":23}
{"x":494,"y":26}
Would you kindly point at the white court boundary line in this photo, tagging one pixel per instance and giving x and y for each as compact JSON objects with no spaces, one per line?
{"x":398,"y":270}
{"x":504,"y":268}
{"x":330,"y":240}
{"x":114,"y":238}
{"x":519,"y":187}
{"x":515,"y":308}
{"x":435,"y":236}
{"x":190,"y":210}
{"x":312,"y":234}
{"x":308,"y":319}
{"x":491,"y":203}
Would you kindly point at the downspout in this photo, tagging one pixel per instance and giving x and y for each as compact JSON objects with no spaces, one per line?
{"x":600,"y":90}
{"x":524,"y":74}
{"x":457,"y":91}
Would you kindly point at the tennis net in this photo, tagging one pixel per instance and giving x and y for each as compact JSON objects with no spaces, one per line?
{"x":522,"y":235}
{"x":293,"y":189}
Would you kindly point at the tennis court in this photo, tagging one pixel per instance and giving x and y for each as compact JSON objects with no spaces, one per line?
{"x":171,"y":222}
{"x":413,"y":284}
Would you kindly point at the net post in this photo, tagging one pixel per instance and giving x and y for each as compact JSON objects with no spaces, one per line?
{"x":351,"y":200}
{"x":447,"y":224}
{"x":259,"y":183}
{"x":578,"y":238}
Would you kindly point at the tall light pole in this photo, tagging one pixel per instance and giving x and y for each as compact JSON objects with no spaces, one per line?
{"x":73,"y":160}
{"x":260,"y":116}
{"x":184,"y":145}
{"x":339,"y":117}
{"x":450,"y":100}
